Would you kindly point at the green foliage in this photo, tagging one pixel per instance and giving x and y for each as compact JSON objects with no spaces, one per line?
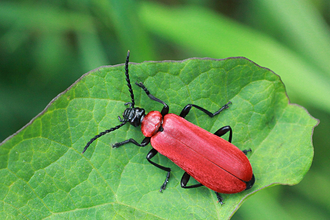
{"x":46,"y":45}
{"x":44,"y":173}
{"x":208,"y":28}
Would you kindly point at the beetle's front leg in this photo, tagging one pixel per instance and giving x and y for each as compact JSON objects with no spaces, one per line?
{"x":150,"y":155}
{"x":145,"y":142}
{"x":165,"y":108}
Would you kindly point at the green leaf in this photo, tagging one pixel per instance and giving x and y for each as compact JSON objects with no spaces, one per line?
{"x":44,"y":173}
{"x":217,"y":36}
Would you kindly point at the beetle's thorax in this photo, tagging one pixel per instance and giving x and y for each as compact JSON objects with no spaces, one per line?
{"x":134,"y":116}
{"x":151,"y":123}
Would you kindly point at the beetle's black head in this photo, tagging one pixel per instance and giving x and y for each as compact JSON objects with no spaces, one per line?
{"x":133,"y":116}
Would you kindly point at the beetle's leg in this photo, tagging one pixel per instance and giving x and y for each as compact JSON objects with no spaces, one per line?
{"x":185,"y":179}
{"x":220,"y":199}
{"x":165,"y":108}
{"x":187,"y":108}
{"x":222,"y":131}
{"x":144,"y":142}
{"x":150,"y":155}
{"x":246,"y":151}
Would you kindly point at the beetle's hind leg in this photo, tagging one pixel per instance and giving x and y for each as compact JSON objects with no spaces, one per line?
{"x":246,"y":151}
{"x":150,"y":155}
{"x":220,"y":199}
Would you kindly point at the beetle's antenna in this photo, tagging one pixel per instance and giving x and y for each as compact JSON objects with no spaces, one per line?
{"x":123,"y":121}
{"x":101,"y":134}
{"x":128,"y":81}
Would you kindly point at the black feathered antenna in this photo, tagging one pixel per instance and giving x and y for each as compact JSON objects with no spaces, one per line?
{"x":123,"y":121}
{"x":129,"y":82}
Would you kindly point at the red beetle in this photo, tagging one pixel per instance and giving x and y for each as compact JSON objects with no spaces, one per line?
{"x":211,"y":160}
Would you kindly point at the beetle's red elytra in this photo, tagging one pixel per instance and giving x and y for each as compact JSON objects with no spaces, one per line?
{"x":212,"y":161}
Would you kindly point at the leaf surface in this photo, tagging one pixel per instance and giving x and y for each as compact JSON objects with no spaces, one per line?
{"x":44,"y":174}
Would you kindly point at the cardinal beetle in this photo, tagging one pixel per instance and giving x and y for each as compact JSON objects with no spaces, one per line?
{"x":211,"y":160}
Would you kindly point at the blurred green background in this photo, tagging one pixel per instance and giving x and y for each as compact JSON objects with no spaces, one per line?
{"x":46,"y":45}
